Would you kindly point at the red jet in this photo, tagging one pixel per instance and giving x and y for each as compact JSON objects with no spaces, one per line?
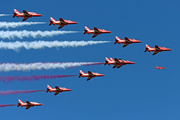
{"x":95,"y":32}
{"x":57,"y":89}
{"x":28,"y":104}
{"x":61,"y":22}
{"x":89,"y":75}
{"x":117,"y":62}
{"x":160,"y":67}
{"x":126,"y":41}
{"x":156,"y":49}
{"x":25,"y":14}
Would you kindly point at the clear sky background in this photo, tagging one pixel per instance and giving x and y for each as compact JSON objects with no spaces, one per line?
{"x":133,"y":92}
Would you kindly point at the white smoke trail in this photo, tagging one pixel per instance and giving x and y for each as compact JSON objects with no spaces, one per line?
{"x":41,"y":44}
{"x":17,"y":24}
{"x":5,"y":67}
{"x":34,"y":34}
{"x":4,"y":15}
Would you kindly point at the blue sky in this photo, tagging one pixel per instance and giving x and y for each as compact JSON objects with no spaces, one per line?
{"x":133,"y":92}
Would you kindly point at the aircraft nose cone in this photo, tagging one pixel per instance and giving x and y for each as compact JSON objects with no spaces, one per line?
{"x":108,"y":31}
{"x":139,"y":41}
{"x":39,"y":14}
{"x":132,"y":62}
{"x":169,"y":49}
{"x":40,"y":104}
{"x":102,"y":75}
{"x":69,"y":89}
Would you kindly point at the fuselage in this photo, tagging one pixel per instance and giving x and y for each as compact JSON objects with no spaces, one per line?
{"x":100,"y":31}
{"x":61,"y":89}
{"x":158,"y":50}
{"x":118,"y":40}
{"x":66,"y":22}
{"x":31,"y":14}
{"x":32,"y":104}
{"x":93,"y":75}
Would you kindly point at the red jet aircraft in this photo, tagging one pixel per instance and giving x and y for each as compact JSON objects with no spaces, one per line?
{"x":117,"y":62}
{"x":160,"y":67}
{"x":61,"y":22}
{"x":89,"y":75}
{"x":156,"y":49}
{"x":28,"y":104}
{"x":57,"y":89}
{"x":95,"y":32}
{"x":126,"y":41}
{"x":25,"y":14}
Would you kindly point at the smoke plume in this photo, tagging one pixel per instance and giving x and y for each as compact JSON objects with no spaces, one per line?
{"x":49,"y":44}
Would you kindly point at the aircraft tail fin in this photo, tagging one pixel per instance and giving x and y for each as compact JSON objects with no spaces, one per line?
{"x":117,"y":39}
{"x":86,"y":30}
{"x":20,"y":101}
{"x":48,"y":88}
{"x":81,"y":73}
{"x":51,"y":21}
{"x":112,"y":59}
{"x":147,"y":47}
{"x":107,"y":60}
{"x":16,"y":12}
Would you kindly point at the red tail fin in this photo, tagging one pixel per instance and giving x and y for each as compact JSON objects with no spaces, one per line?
{"x":16,"y":13}
{"x":20,"y":101}
{"x":147,"y":47}
{"x":112,"y":59}
{"x":49,"y":87}
{"x":81,"y":73}
{"x":107,"y":60}
{"x":51,"y":21}
{"x":117,"y":39}
{"x":86,"y":30}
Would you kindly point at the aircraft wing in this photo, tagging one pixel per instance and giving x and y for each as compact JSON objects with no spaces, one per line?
{"x":60,"y":26}
{"x":116,"y":60}
{"x":114,"y":66}
{"x":90,"y":73}
{"x":25,"y":18}
{"x":119,"y":66}
{"x":27,"y":107}
{"x":156,"y":47}
{"x":126,"y":39}
{"x":96,"y":30}
{"x":57,"y":88}
{"x":56,"y":93}
{"x":61,"y":21}
{"x":125,"y":45}
{"x":155,"y":53}
{"x":89,"y":78}
{"x":26,"y":13}
{"x":94,"y":35}
{"x":28,"y":103}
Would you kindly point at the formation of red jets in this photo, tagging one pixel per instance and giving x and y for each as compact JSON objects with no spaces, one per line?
{"x":117,"y":63}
